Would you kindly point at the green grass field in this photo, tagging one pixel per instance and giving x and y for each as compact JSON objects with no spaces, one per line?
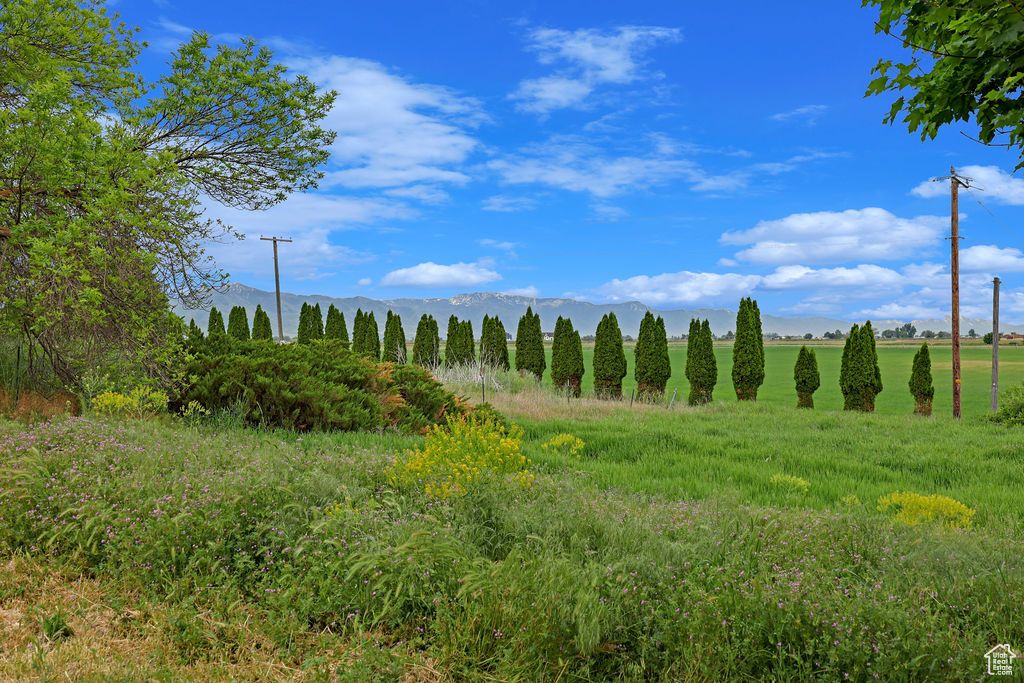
{"x":893,"y":358}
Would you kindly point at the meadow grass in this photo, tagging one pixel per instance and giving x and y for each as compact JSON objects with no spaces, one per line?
{"x":894,"y":359}
{"x":177,"y":552}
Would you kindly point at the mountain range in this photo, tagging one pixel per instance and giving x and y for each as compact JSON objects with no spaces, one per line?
{"x":509,"y":308}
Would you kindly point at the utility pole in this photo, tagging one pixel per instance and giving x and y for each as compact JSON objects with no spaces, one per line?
{"x":955,"y":182}
{"x":995,"y":344}
{"x":277,"y":284}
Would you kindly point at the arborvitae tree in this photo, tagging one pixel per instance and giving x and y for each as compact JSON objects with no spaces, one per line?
{"x":216,"y":324}
{"x":372,"y":333}
{"x":652,"y":368}
{"x":486,"y":355}
{"x":748,"y":351}
{"x":609,"y":358}
{"x":863,"y":378}
{"x":845,"y":368}
{"x":394,"y":339}
{"x":921,"y":381}
{"x":467,"y":347}
{"x":305,"y":332}
{"x":261,"y":325}
{"x":575,"y":362}
{"x":701,"y":364}
{"x":530,"y":345}
{"x":317,"y":328}
{"x":238,"y":323}
{"x":335,"y":328}
{"x":426,"y":347}
{"x":194,"y":334}
{"x":499,"y":344}
{"x":560,"y":353}
{"x":805,"y":374}
{"x":452,"y":357}
{"x":358,"y":330}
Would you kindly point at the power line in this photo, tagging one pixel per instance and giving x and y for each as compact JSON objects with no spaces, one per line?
{"x":996,"y":219}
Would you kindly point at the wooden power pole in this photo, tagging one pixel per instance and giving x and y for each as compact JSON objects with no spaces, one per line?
{"x":995,"y":344}
{"x":955,"y":182}
{"x":277,"y":284}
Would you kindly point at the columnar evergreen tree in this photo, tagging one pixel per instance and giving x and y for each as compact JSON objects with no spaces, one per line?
{"x":452,"y":356}
{"x":499,"y":344}
{"x":305,"y":331}
{"x":261,"y":325}
{"x":394,"y":339}
{"x":701,"y":364}
{"x":467,"y":347}
{"x":358,"y":330}
{"x":560,"y":352}
{"x":748,"y":351}
{"x":609,"y":358}
{"x":216,"y":323}
{"x":921,"y":387}
{"x":652,"y":368}
{"x":806,"y":376}
{"x":238,"y":323}
{"x":486,"y":355}
{"x":426,"y":348}
{"x":372,"y":337}
{"x":844,"y":367}
{"x":574,"y":366}
{"x":194,"y":333}
{"x":860,"y":377}
{"x":335,"y":328}
{"x":530,"y":345}
{"x":316,"y":330}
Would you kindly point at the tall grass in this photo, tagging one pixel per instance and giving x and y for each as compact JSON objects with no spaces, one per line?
{"x":272,"y":537}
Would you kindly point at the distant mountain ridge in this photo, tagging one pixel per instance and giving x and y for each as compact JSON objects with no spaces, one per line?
{"x":509,"y":307}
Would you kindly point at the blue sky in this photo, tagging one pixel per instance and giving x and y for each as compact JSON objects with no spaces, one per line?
{"x":681,"y":154}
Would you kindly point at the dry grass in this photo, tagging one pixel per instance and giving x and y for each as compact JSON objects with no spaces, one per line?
{"x":117,"y":638}
{"x":541,"y":403}
{"x":32,"y":406}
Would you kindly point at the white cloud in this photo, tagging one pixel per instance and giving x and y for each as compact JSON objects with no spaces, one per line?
{"x":865,"y":280}
{"x":523,"y":291}
{"x":899,"y":311}
{"x":992,"y":183}
{"x":571,"y":163}
{"x":309,"y":256}
{"x":836,"y":236}
{"x":507,"y":204}
{"x":682,"y":287}
{"x":428,"y":194}
{"x":504,"y":246}
{"x":364,"y":281}
{"x":991,"y":259}
{"x":392,"y":131}
{"x":588,"y":58}
{"x":808,"y":113}
{"x":433,"y":275}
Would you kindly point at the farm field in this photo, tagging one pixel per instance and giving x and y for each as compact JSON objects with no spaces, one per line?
{"x":895,"y":360}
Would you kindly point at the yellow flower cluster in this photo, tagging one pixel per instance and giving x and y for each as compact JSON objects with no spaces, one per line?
{"x":137,"y":403}
{"x":566,"y":444}
{"x":461,"y":452}
{"x":791,"y":483}
{"x":193,"y":411}
{"x":340,"y":509}
{"x":913,"y":508}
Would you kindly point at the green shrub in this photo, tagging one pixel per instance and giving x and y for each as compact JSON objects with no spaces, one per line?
{"x":316,"y":386}
{"x":1011,"y":406}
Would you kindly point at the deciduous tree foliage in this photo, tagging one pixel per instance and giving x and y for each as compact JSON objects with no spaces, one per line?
{"x":238,"y":323}
{"x":609,"y":358}
{"x":806,"y":377}
{"x":261,"y":325}
{"x":921,"y":387}
{"x":966,"y":64}
{"x":530,"y":345}
{"x":215,"y":325}
{"x":652,"y":368}
{"x":426,"y":348}
{"x":394,"y":339}
{"x":103,"y":175}
{"x":335,"y":329}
